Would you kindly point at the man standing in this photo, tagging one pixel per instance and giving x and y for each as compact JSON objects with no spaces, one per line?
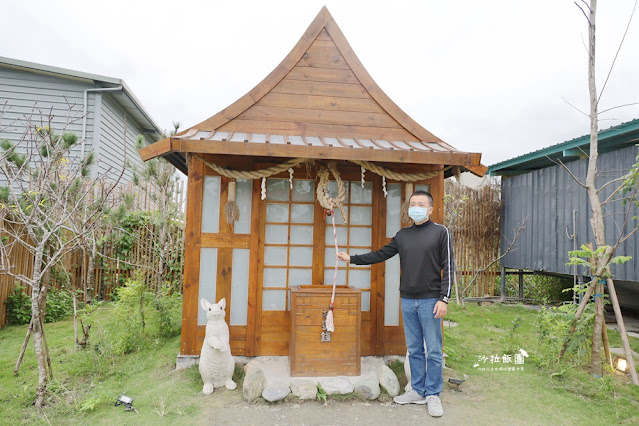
{"x":425,"y":251}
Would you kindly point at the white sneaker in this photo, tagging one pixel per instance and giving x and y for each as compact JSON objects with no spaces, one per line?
{"x":410,"y":397}
{"x":434,"y":406}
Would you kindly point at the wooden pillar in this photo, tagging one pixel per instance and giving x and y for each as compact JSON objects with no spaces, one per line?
{"x":521,"y":283}
{"x":193,"y":237}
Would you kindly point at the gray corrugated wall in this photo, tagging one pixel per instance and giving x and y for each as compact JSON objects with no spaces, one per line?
{"x":22,"y":91}
{"x":547,"y":198}
{"x":110,"y":150}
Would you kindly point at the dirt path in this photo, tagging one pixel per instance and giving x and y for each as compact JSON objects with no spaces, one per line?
{"x":235,"y":411}
{"x":468,"y":406}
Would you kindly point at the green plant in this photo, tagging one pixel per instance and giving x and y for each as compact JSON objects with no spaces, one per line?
{"x":168,"y":306}
{"x":18,"y":306}
{"x":512,"y":343}
{"x":90,"y":404}
{"x":543,"y":289}
{"x":59,"y":305}
{"x":127,"y":328}
{"x":321,"y":394}
{"x":553,"y":325}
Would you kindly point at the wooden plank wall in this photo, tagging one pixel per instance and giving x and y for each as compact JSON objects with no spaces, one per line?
{"x":109,"y":272}
{"x":320,"y":95}
{"x":473,"y":217}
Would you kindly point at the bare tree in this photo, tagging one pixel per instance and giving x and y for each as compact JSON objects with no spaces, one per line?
{"x":603,"y":255}
{"x":48,"y":188}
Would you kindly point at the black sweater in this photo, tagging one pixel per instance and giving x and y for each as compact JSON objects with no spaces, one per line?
{"x":424,"y":252}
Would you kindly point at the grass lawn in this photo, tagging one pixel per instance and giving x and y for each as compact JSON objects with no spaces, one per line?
{"x":86,"y":385}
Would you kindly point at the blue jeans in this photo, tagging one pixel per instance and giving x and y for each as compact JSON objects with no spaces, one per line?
{"x":420,"y":325}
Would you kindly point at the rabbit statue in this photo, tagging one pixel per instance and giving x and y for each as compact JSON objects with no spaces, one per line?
{"x":216,"y":362}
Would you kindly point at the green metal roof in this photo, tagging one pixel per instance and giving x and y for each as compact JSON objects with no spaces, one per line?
{"x":611,"y":139}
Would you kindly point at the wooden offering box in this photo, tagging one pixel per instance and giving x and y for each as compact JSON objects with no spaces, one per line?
{"x":308,"y":354}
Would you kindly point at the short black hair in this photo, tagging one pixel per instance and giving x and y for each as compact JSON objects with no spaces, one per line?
{"x":422,"y":192}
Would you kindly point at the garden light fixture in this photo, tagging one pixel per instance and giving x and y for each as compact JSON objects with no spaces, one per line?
{"x":620,"y":364}
{"x":127,"y":401}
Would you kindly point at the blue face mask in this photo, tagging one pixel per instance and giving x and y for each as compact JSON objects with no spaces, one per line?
{"x":418,"y":214}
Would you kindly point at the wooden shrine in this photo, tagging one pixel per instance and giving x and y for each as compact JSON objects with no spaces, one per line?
{"x":318,"y":126}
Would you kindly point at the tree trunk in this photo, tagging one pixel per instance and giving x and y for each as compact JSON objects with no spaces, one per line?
{"x":595,"y":359}
{"x":38,"y":343}
{"x":580,"y":311}
{"x":595,"y":204}
{"x":85,"y":336}
{"x":75,"y":310}
{"x":46,"y":349}
{"x":91,"y":269}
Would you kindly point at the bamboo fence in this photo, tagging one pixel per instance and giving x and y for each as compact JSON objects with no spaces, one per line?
{"x":111,"y":269}
{"x":473,"y":218}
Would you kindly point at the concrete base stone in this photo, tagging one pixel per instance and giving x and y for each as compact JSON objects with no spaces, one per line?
{"x":187,"y":361}
{"x":254,"y":381}
{"x":304,"y":388}
{"x":367,"y":388}
{"x":388,"y":380}
{"x":269,"y":377}
{"x":336,"y":385}
{"x":276,"y":391}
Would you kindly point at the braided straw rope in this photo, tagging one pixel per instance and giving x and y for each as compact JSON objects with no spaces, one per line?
{"x":255,"y":174}
{"x":270,"y":171}
{"x":322,"y":190}
{"x":403,"y":177}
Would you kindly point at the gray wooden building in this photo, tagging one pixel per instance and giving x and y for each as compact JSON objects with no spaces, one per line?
{"x":94,"y":107}
{"x":535,"y":187}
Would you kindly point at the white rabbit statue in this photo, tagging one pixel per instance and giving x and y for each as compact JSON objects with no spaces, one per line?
{"x":216,"y":362}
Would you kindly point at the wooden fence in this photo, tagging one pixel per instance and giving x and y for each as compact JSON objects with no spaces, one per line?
{"x":121,"y":255}
{"x":473,"y":217}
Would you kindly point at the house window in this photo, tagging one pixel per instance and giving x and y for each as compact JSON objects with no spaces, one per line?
{"x":355,"y":237}
{"x":288,"y":240}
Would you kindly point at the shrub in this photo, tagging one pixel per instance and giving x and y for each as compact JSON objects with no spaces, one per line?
{"x":127,"y":327}
{"x":541,"y":288}
{"x":139,"y":318}
{"x":18,"y":306}
{"x":168,"y":308}
{"x":553,"y":326}
{"x":59,"y":305}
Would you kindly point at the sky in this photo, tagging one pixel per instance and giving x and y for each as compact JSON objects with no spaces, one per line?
{"x":500,"y":77}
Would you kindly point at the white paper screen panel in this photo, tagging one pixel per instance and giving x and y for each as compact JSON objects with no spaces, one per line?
{"x":208,"y":277}
{"x":239,"y":286}
{"x":391,"y":292}
{"x":211,"y":204}
{"x":244,"y":198}
{"x":393,"y":209}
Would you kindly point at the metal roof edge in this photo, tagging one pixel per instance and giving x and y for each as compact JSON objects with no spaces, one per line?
{"x":578,"y":142}
{"x":58,"y":70}
{"x":86,"y":76}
